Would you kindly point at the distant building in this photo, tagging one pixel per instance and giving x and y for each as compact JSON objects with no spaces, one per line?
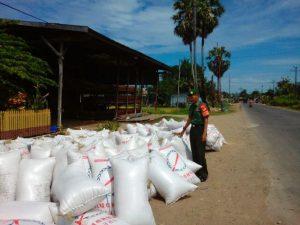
{"x":182,"y":100}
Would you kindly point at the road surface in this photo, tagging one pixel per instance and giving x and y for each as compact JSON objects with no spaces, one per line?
{"x":278,"y":132}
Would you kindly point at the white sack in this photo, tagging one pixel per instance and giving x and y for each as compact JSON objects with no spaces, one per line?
{"x":152,"y":192}
{"x":131,"y":128}
{"x":35,"y":176}
{"x":142,"y":130}
{"x":180,"y":147}
{"x":192,"y":165}
{"x":21,"y":222}
{"x":20,"y":145}
{"x":73,"y":156}
{"x":76,"y":192}
{"x":130,"y":186}
{"x":177,"y":164}
{"x":102,"y":173}
{"x":93,"y":218}
{"x":9,"y":165}
{"x":40,"y":151}
{"x":38,"y":211}
{"x":168,"y":184}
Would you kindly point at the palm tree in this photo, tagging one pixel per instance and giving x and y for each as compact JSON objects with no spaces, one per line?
{"x":208,"y":14}
{"x":218,"y":62}
{"x":183,"y":20}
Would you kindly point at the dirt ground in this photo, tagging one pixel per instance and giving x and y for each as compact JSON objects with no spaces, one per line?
{"x":237,"y":189}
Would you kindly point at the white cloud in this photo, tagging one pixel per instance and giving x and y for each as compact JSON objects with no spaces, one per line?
{"x":281,"y":62}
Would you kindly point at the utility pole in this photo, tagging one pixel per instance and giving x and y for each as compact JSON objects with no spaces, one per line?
{"x":229,"y":84}
{"x":179,"y":71}
{"x":273,"y":82}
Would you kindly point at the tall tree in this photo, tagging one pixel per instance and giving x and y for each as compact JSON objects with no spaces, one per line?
{"x":206,"y":19}
{"x":19,"y":69}
{"x":183,"y":19}
{"x":208,"y":14}
{"x":218,"y":62}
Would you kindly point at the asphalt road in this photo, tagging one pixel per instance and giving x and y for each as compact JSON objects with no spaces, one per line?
{"x":278,"y":131}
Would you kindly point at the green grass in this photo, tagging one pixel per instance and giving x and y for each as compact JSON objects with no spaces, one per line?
{"x":288,"y":101}
{"x":166,"y":110}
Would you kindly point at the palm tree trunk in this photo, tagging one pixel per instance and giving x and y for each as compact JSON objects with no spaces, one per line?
{"x":202,"y":84}
{"x":191,"y":58}
{"x":219,"y":89}
{"x":195,"y":64}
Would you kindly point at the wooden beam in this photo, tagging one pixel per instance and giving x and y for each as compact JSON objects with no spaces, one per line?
{"x":60,"y":57}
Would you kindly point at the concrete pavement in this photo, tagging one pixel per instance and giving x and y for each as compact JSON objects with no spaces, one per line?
{"x":278,"y":132}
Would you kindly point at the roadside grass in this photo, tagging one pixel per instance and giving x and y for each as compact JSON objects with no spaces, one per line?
{"x":289,"y":101}
{"x":166,"y":110}
{"x":169,"y":111}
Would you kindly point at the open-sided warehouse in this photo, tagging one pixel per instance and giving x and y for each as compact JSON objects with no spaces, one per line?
{"x":97,"y":77}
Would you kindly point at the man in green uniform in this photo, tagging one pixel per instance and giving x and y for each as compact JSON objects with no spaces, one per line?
{"x":198,"y":118}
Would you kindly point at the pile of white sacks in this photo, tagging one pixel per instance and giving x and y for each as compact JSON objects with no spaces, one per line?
{"x":88,"y":177}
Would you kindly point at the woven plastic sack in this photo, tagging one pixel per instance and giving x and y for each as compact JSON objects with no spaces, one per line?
{"x":73,"y":156}
{"x":99,"y":218}
{"x":34,"y":181}
{"x":102,"y":173}
{"x":142,"y":130}
{"x":131,"y":129}
{"x":130,"y":187}
{"x":76,"y":192}
{"x":40,"y":152}
{"x":20,"y":222}
{"x":18,"y":210}
{"x":22,"y":147}
{"x":192,"y":165}
{"x":168,"y":184}
{"x":9,"y":165}
{"x":177,"y":164}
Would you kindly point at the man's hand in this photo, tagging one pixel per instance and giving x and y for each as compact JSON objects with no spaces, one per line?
{"x":203,"y":139}
{"x":181,"y":133}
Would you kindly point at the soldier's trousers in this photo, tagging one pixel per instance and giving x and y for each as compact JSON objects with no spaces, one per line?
{"x":198,"y":149}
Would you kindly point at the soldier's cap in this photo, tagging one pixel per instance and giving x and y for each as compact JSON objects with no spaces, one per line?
{"x":192,"y":92}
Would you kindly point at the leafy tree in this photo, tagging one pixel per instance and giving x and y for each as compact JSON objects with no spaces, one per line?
{"x":284,"y":86}
{"x":255,"y":94}
{"x":243,"y":94}
{"x":218,"y":62}
{"x":19,"y":69}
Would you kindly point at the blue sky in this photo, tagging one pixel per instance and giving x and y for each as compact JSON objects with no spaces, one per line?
{"x":263,"y":35}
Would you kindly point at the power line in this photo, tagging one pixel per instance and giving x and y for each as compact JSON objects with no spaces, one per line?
{"x":21,"y":11}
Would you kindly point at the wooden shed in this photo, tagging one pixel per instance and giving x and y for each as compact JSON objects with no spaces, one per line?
{"x":98,"y":77}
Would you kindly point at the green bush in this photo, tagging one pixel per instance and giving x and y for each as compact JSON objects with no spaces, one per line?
{"x":287,"y":101}
{"x":109,"y":125}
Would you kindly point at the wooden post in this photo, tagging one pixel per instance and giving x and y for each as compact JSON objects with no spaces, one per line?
{"x":135,"y":90}
{"x":127,"y":92}
{"x":141,"y":90}
{"x":60,"y":86}
{"x":60,"y":55}
{"x":117,"y":90}
{"x":156,"y":91}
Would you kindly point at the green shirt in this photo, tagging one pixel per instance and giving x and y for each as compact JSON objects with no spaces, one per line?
{"x":195,"y":114}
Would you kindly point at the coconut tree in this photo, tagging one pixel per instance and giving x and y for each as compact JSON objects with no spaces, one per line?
{"x":218,"y":62}
{"x":183,"y":20}
{"x":208,"y":14}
